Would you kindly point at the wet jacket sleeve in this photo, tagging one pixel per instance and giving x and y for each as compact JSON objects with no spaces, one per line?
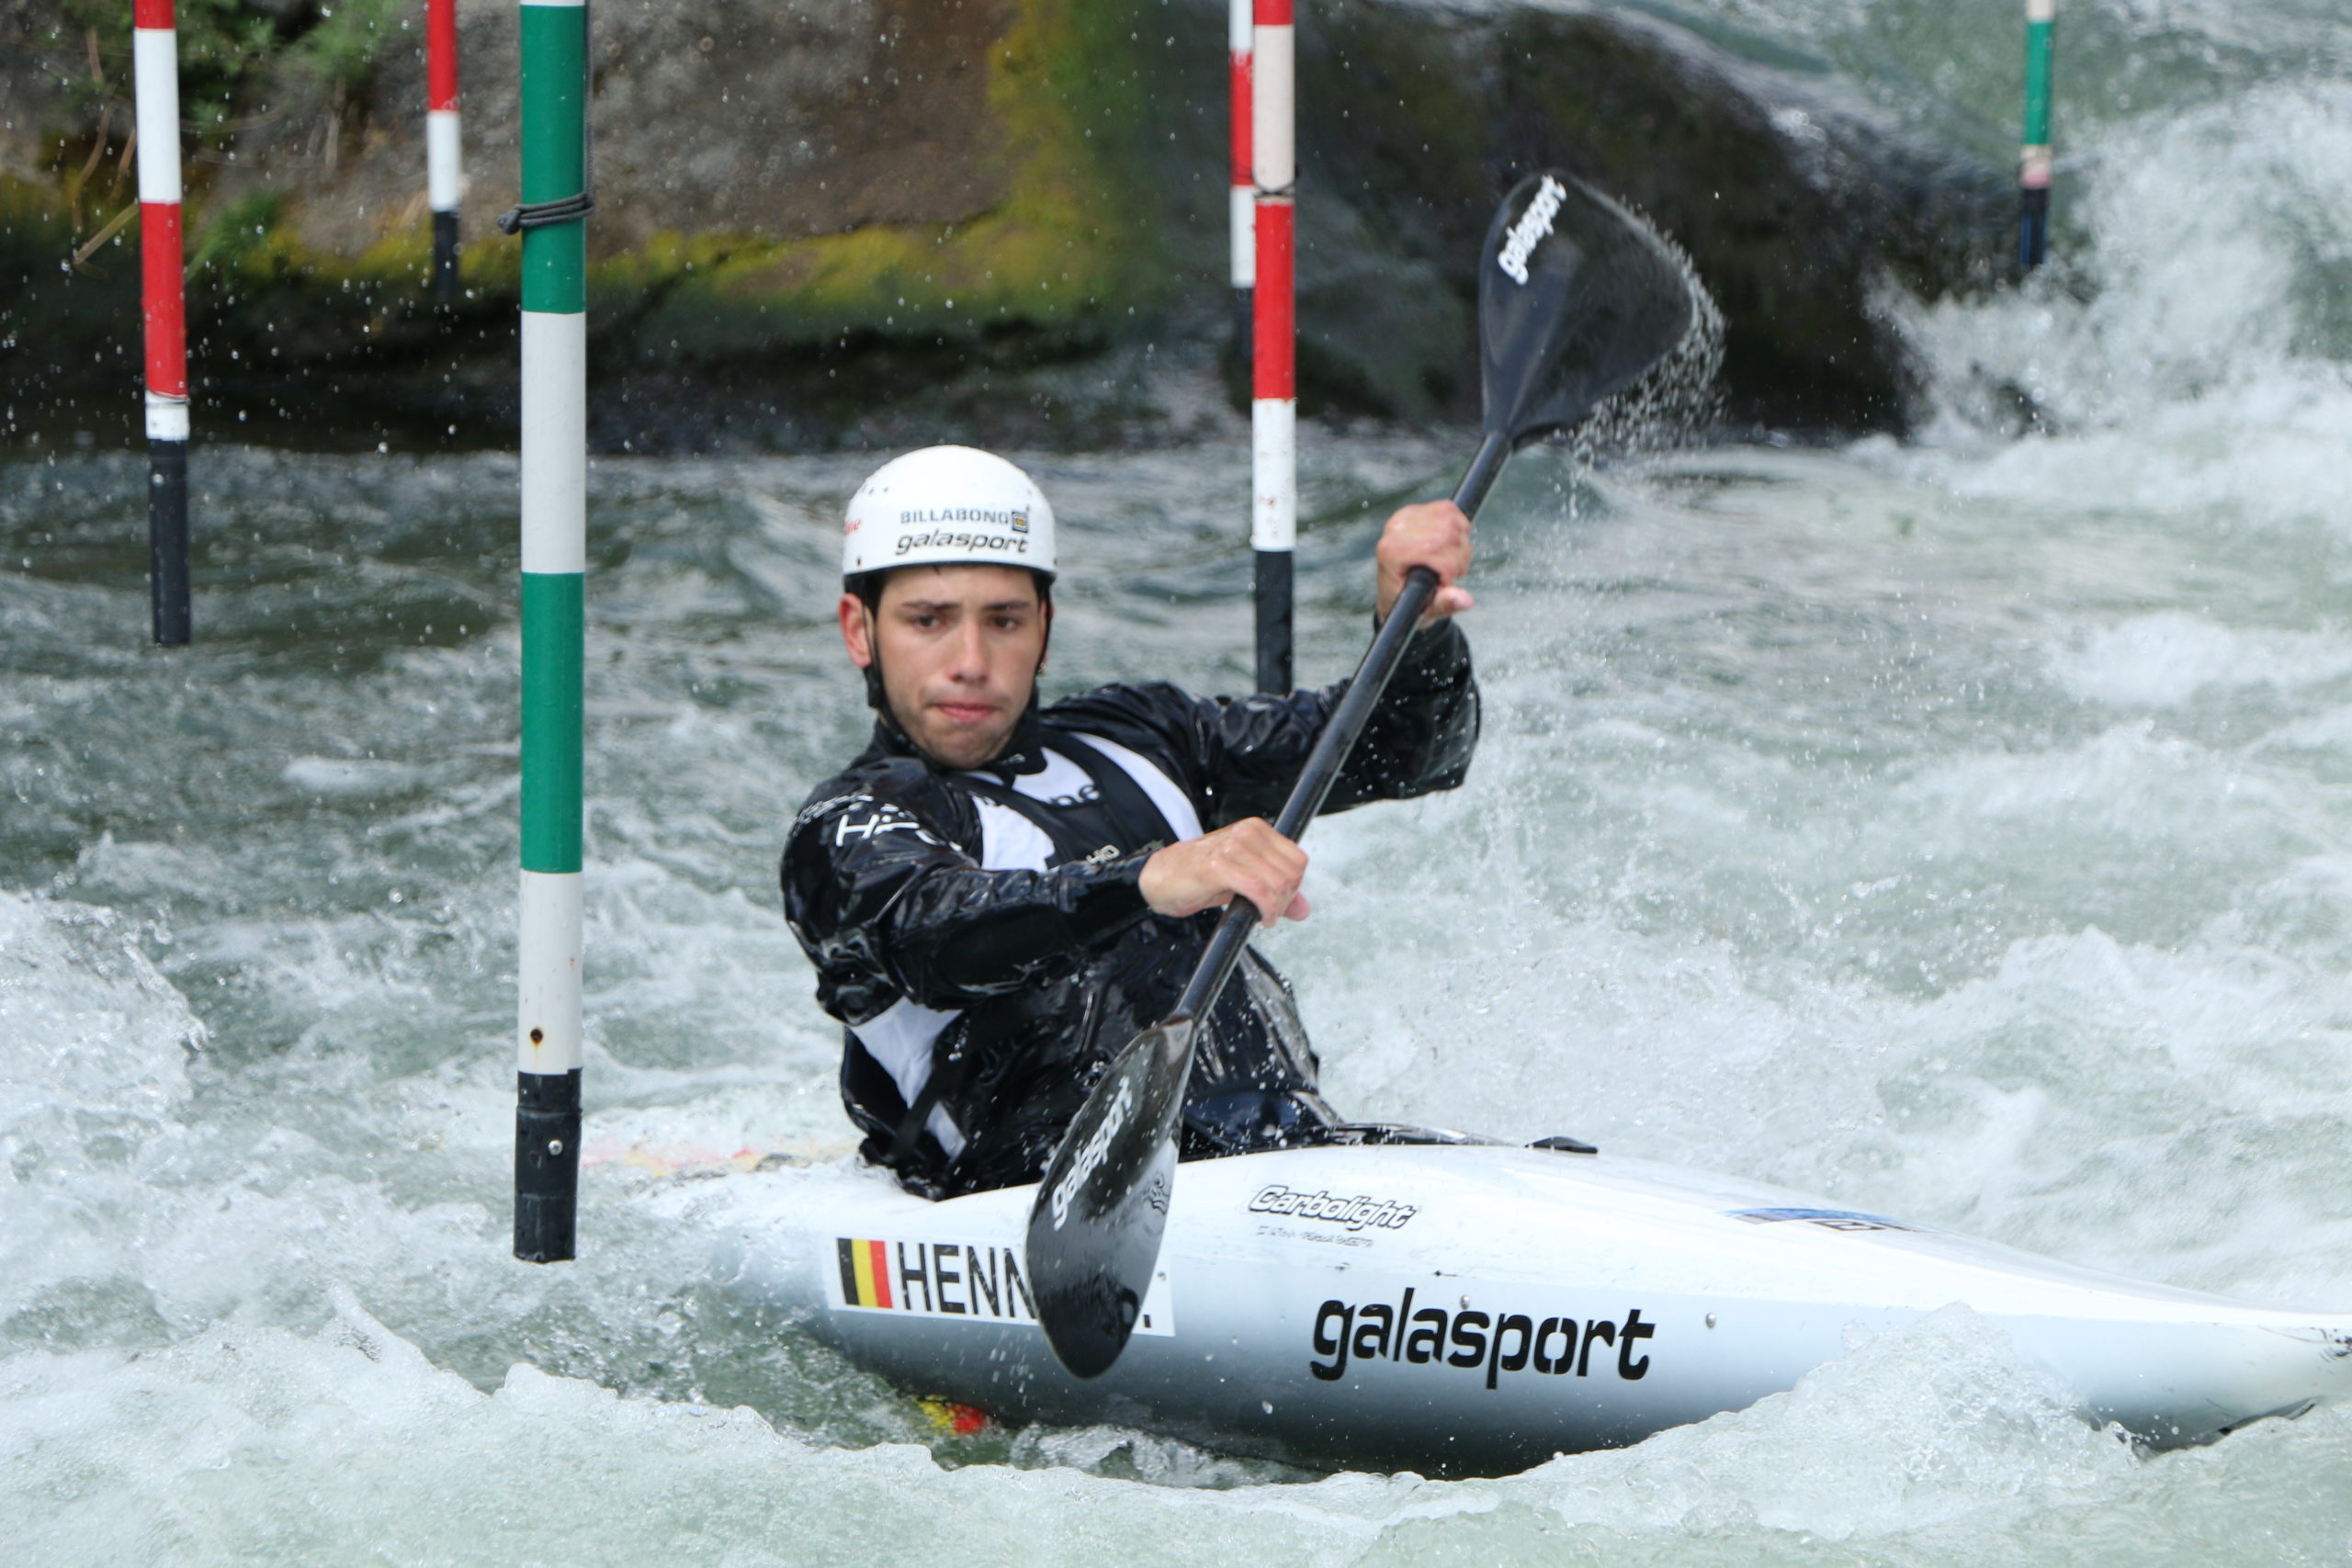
{"x":1242,"y":754}
{"x":887,"y":906}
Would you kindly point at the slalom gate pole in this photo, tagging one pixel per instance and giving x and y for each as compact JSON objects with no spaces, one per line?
{"x":1274,"y":408}
{"x":2033,"y":164}
{"x":1240,"y":24}
{"x":552,"y":220}
{"x":441,"y":142}
{"x":164,"y":313}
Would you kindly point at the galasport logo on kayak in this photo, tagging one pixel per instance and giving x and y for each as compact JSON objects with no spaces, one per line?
{"x":1532,"y":226}
{"x":951,"y":1280}
{"x":1355,"y":1212}
{"x":1473,"y":1340}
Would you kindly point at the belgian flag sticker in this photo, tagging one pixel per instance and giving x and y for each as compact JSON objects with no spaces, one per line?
{"x":865,"y":1273}
{"x":969,"y":1281}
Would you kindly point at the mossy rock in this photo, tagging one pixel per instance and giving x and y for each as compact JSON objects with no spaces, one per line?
{"x":863,"y":220}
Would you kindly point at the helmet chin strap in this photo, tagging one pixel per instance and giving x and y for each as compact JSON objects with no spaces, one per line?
{"x":878,"y":698}
{"x":875,"y":698}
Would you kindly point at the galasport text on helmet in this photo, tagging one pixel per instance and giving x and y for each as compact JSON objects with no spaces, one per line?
{"x":947,"y":505}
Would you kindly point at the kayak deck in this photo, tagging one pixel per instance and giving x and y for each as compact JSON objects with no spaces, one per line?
{"x":1471,"y":1308}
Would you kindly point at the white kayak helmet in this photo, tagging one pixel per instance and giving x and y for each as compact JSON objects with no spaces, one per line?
{"x":947,"y":504}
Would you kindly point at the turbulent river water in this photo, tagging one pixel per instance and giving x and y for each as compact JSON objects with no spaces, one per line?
{"x":1960,"y":828}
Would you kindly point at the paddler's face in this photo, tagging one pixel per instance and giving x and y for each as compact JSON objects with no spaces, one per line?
{"x":960,"y":647}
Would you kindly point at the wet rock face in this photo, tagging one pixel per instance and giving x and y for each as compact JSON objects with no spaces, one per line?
{"x":975,"y":213}
{"x":790,"y":122}
{"x":742,"y":118}
{"x":1793,"y":198}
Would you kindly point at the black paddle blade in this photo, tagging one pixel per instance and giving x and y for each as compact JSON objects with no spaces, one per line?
{"x":1094,"y":1230}
{"x":1577,"y":300}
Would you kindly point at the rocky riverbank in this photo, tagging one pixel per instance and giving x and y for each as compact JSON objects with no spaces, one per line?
{"x":876,"y":221}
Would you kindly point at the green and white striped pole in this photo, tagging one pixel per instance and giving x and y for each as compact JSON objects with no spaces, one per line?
{"x":2033,"y":162}
{"x":552,"y":221}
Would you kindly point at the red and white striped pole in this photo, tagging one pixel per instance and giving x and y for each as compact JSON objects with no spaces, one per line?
{"x":441,"y":141}
{"x":1243,"y":229}
{"x":1274,"y":408}
{"x":155,"y":70}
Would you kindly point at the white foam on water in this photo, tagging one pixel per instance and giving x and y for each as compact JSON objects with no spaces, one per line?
{"x":1930,"y":1444}
{"x":245,"y":1443}
{"x":85,"y":1019}
{"x":2130,"y":779}
{"x":93,"y":1045}
{"x":2166,"y":390}
{"x":347,"y":775}
{"x":1915,"y":1429}
{"x":2168,"y":657}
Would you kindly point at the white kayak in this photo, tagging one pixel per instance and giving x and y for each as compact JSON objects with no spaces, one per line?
{"x":1468,"y":1307}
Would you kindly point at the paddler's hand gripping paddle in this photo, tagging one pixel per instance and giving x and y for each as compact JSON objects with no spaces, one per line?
{"x":1577,"y":301}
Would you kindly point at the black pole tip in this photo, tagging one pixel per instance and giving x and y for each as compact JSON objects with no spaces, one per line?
{"x":168,"y":568}
{"x":445,"y":257}
{"x":1274,"y":569}
{"x":547,"y":1165}
{"x":2033,"y":226}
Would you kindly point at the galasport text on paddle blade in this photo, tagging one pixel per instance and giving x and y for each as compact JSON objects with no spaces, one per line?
{"x":1103,"y":1202}
{"x":1577,"y":299}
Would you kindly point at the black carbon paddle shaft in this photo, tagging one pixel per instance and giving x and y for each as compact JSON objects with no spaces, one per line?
{"x":1340,"y":733}
{"x":1314,"y":781}
{"x":1485,"y":470}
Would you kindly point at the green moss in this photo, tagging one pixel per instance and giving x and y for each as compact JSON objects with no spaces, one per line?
{"x":1064,"y":250}
{"x":238,"y":234}
{"x":340,"y":47}
{"x":1064,"y":254}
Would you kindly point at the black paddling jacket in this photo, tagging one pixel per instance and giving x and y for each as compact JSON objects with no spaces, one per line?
{"x":983,"y":935}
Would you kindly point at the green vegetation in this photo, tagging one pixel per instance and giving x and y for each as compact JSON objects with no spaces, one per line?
{"x":338,"y":49}
{"x":231,"y":49}
{"x":226,"y":48}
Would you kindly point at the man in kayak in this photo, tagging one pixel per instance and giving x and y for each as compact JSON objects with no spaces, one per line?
{"x":998,"y":896}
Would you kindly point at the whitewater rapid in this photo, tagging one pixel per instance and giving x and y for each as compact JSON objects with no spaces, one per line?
{"x":1959,"y":827}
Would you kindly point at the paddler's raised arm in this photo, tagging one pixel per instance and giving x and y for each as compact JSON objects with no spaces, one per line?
{"x":1420,"y":735}
{"x":1242,"y":754}
{"x":886,"y":906}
